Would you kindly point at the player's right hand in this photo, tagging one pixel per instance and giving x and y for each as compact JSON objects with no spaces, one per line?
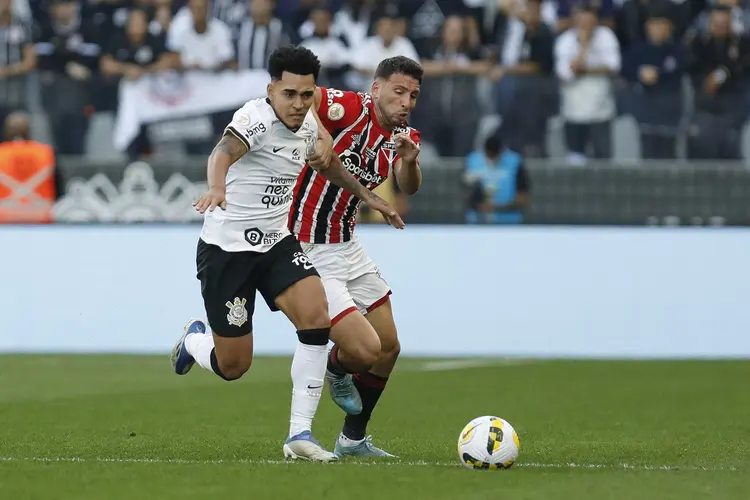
{"x":390,"y":215}
{"x":215,"y":197}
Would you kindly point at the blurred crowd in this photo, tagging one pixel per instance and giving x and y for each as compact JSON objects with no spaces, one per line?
{"x":678,"y":67}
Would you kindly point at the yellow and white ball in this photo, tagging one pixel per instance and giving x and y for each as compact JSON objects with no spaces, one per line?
{"x":488,"y":443}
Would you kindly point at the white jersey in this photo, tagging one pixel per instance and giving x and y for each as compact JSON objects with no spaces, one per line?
{"x":260,"y":185}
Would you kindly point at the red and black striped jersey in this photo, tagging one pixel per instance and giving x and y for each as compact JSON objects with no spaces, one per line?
{"x":323,"y":212}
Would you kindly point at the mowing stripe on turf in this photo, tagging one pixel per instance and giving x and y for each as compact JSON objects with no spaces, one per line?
{"x":403,"y":463}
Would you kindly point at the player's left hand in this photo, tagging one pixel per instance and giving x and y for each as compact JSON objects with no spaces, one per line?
{"x":321,"y":159}
{"x":406,"y":148}
{"x":390,"y":215}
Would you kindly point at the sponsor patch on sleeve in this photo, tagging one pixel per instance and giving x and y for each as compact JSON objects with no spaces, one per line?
{"x":335,"y":111}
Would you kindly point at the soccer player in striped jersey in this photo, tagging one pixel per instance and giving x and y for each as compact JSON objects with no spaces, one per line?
{"x":372,"y":140}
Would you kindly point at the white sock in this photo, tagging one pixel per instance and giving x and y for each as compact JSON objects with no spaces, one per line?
{"x":200,"y":345}
{"x":308,"y":370}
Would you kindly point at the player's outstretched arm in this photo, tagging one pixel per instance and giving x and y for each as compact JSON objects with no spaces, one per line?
{"x":337,"y":174}
{"x":227,"y":151}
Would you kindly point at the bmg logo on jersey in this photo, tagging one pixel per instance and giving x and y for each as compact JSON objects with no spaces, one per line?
{"x":256,"y":128}
{"x":301,"y":259}
{"x":278,"y":192}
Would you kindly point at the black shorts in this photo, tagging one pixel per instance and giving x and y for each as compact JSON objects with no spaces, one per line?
{"x":229,"y":281}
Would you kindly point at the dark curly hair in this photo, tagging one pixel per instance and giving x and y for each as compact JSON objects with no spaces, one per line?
{"x":293,"y":59}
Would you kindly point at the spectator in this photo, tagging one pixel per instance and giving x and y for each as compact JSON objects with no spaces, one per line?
{"x":386,"y":43}
{"x":202,"y":42}
{"x":260,"y":34}
{"x":162,"y":17}
{"x":719,"y":64}
{"x":630,"y":18}
{"x":352,"y":22}
{"x":135,"y":52}
{"x":331,"y":50}
{"x":526,"y":91}
{"x":17,"y":58}
{"x":233,"y":13}
{"x":655,"y":68}
{"x":451,"y":108}
{"x":739,"y":17}
{"x":586,"y":57}
{"x":425,"y":21}
{"x":68,"y":58}
{"x":498,"y":184}
{"x":27,"y":174}
{"x":132,"y":54}
{"x":604,"y":10}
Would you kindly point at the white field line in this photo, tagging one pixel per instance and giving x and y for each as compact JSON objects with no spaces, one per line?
{"x":463,"y":364}
{"x":391,"y":463}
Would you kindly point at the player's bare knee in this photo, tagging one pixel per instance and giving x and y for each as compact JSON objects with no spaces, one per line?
{"x":234,"y":368}
{"x":390,"y":350}
{"x":367,"y":356}
{"x":314,"y":316}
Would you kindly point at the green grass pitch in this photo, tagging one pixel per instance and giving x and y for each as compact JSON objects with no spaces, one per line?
{"x":126,"y":427}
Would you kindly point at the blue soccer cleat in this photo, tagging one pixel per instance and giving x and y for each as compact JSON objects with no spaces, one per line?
{"x":364,"y":448}
{"x":181,"y":360}
{"x":304,"y":446}
{"x":344,"y":393}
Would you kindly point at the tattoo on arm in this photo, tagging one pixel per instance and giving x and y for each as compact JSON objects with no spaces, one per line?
{"x":338,"y":175}
{"x":231,"y":146}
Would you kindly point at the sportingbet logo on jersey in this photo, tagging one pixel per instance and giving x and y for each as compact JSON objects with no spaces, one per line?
{"x":278,"y":191}
{"x":353,"y":163}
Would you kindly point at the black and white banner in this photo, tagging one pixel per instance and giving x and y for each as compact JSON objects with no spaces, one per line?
{"x":181,"y":103}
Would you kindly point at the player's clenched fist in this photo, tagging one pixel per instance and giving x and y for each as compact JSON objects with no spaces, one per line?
{"x":215,"y":197}
{"x":406,"y":148}
{"x":321,"y":158}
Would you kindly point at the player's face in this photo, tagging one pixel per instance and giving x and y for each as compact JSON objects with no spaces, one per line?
{"x":395,"y":97}
{"x":291,"y":97}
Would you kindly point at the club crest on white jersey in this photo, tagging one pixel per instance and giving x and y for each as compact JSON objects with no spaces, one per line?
{"x":260,"y":185}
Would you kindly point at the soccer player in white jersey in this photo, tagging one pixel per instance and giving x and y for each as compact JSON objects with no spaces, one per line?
{"x":373,"y":140}
{"x":245,"y":245}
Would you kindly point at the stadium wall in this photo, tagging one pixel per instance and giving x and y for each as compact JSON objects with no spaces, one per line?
{"x":458,"y":291}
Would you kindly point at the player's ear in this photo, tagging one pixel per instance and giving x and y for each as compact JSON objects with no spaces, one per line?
{"x":375,"y":88}
{"x":269,"y":89}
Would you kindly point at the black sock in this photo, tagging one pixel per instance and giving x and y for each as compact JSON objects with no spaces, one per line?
{"x":334,"y":365}
{"x":370,"y":388}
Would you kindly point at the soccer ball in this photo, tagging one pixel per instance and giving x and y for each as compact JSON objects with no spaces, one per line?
{"x":488,"y":443}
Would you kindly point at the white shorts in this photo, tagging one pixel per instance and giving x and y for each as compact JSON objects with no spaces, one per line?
{"x":351,"y":279}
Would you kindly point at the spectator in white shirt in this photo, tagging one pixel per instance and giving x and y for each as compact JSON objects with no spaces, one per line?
{"x":203,"y":43}
{"x":351,"y":22}
{"x":331,"y":50}
{"x":586,"y":57}
{"x":386,"y":43}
